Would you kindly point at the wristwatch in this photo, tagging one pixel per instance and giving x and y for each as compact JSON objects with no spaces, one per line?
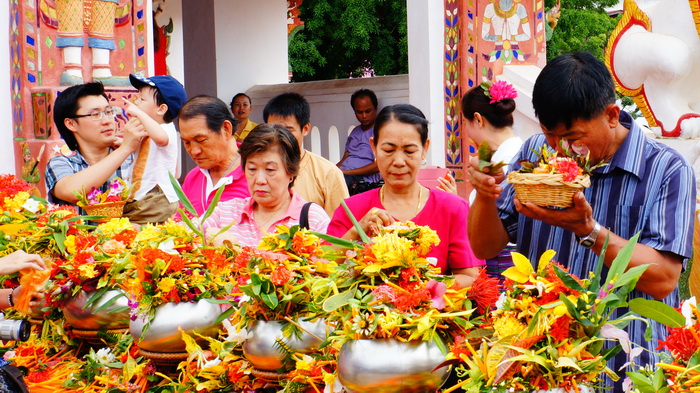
{"x":589,"y":240}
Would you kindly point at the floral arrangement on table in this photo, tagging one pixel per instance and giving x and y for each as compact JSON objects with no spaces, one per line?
{"x":282,"y":276}
{"x":96,"y":261}
{"x":549,"y":328}
{"x":167,"y":266}
{"x":391,"y":290}
{"x":105,"y":203}
{"x":679,"y":372}
{"x":552,"y":179}
{"x":219,"y":368}
{"x":63,"y":369}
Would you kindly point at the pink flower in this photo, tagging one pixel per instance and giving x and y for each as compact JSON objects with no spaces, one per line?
{"x":501,"y":90}
{"x":272,"y":256}
{"x":437,"y":290}
{"x":565,"y":166}
{"x":384,"y":293}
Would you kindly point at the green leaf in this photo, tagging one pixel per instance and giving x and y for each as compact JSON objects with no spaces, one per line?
{"x":224,"y":315}
{"x":186,"y":219}
{"x":619,"y":264}
{"x":595,"y":282}
{"x":182,"y":197}
{"x":631,"y":276}
{"x":94,"y":298}
{"x":213,"y":203}
{"x":567,"y":279}
{"x":109,"y":302}
{"x":270,"y":300}
{"x":336,"y":301}
{"x":336,"y":241}
{"x":657,"y":311}
{"x":642,"y":382}
{"x":440,"y":344}
{"x":363,"y":236}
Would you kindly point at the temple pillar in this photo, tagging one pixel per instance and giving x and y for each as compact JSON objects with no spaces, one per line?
{"x":425,"y":69}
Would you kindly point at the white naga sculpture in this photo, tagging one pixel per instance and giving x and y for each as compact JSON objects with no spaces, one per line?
{"x":654,"y":56}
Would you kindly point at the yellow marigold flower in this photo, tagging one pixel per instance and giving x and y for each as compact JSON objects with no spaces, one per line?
{"x":147,"y":233}
{"x":508,"y":326}
{"x":114,"y":226}
{"x":304,"y":363}
{"x":70,"y":244}
{"x":197,"y":278}
{"x":166,"y":284}
{"x":15,"y":203}
{"x":87,"y":270}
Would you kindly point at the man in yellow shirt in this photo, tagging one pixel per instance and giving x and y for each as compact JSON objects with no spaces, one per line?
{"x":319,"y":180}
{"x":241,"y":106}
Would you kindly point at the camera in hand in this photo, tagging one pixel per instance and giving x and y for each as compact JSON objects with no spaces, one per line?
{"x":14,"y":329}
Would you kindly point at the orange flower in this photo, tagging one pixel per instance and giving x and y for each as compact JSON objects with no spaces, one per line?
{"x":280,"y":275}
{"x":484,"y":291}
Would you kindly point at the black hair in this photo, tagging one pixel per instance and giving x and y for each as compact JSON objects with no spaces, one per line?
{"x":158,"y":98}
{"x":404,"y":113}
{"x":572,"y":87}
{"x":66,"y":106}
{"x":499,"y":114}
{"x":265,"y":137}
{"x":240,"y":95}
{"x":289,"y":104}
{"x":364,"y":93}
{"x":214,"y":111}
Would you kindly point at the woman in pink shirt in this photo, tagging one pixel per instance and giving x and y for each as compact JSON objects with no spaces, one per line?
{"x":400,"y":144}
{"x":270,"y":159}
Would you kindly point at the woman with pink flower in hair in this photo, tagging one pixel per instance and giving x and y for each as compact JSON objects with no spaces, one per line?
{"x":488,"y":111}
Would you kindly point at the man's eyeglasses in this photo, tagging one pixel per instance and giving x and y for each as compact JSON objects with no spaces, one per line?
{"x":97,"y":115}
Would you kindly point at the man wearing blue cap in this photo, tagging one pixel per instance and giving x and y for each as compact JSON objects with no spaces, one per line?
{"x":158,"y":103}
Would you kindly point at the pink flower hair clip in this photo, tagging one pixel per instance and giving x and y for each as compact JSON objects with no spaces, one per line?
{"x":499,"y":91}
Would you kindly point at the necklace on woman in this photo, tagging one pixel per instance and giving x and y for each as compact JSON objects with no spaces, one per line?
{"x":263,"y":225}
{"x":420,"y":198}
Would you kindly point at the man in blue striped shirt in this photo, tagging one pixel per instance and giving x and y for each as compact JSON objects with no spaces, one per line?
{"x":87,"y":123}
{"x":646,"y":187}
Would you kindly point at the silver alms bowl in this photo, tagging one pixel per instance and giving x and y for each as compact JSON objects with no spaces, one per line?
{"x":390,"y":366}
{"x":163,"y":334}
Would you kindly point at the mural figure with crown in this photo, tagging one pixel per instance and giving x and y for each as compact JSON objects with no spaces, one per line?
{"x":654,"y":56}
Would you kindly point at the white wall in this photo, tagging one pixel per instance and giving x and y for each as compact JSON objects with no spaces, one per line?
{"x":251,"y":45}
{"x":426,"y":48}
{"x":330,"y":106}
{"x":7,"y":163}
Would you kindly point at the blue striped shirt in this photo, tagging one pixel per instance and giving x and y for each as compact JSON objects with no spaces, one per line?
{"x":647,"y":187}
{"x":60,"y":166}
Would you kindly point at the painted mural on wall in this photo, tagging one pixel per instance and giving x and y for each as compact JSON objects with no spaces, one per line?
{"x":481,"y":37}
{"x":654,"y":56}
{"x":56,"y":43}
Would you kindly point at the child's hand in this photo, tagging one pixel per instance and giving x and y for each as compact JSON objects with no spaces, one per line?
{"x":447,"y":183}
{"x":132,"y":109}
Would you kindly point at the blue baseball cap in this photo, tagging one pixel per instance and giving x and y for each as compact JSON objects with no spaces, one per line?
{"x":172,"y":91}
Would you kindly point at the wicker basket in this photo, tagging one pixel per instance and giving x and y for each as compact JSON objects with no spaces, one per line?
{"x":547,"y":189}
{"x":109,"y":209}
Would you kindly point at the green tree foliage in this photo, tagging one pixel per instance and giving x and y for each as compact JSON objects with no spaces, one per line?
{"x":583,"y":26}
{"x":346,"y":38}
